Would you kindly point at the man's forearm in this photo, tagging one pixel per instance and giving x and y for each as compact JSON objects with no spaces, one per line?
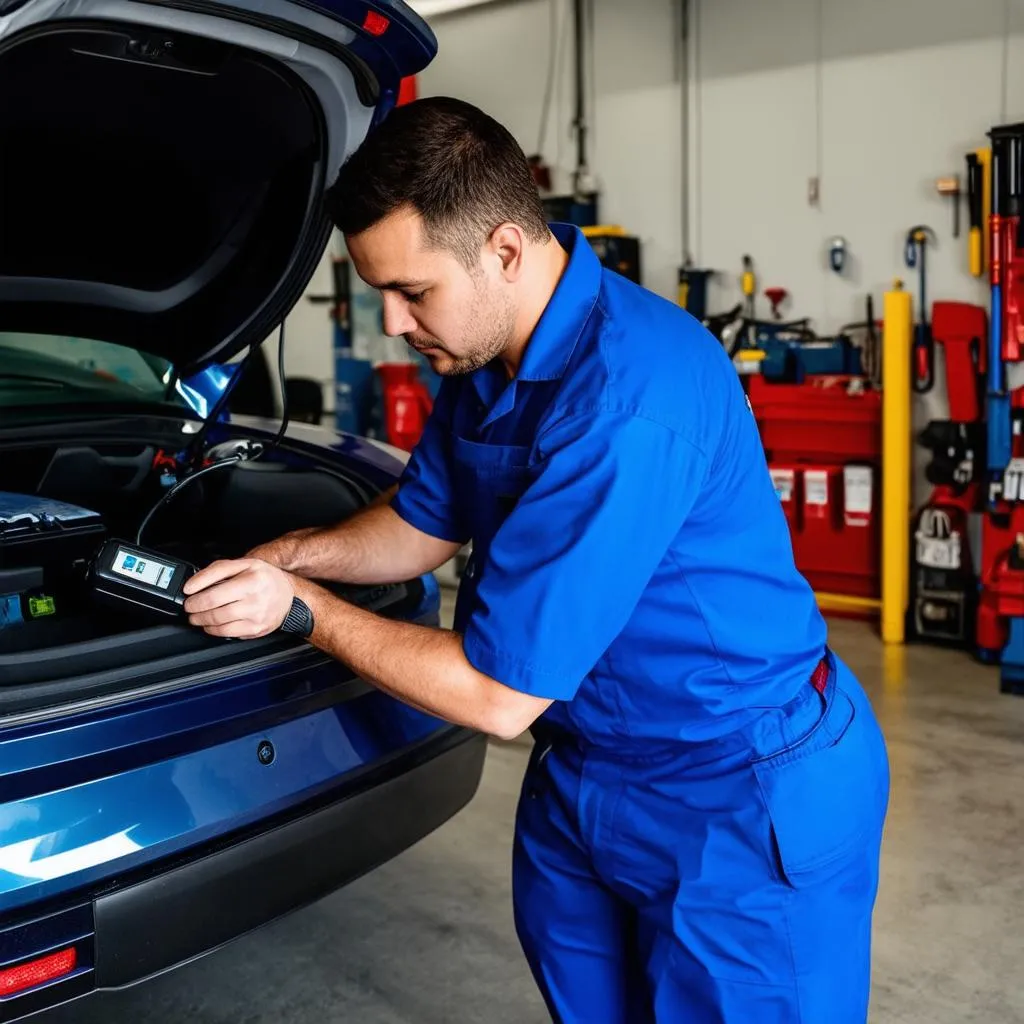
{"x":374,"y":546}
{"x":423,"y":667}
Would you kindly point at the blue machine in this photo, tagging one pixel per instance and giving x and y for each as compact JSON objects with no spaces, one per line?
{"x":790,"y":355}
{"x":793,"y":361}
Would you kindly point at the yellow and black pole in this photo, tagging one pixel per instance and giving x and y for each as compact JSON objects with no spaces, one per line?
{"x":985,"y":159}
{"x":979,"y":205}
{"x":897,"y":342}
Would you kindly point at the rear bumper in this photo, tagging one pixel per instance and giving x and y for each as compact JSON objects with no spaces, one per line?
{"x":178,"y":915}
{"x":182,"y":913}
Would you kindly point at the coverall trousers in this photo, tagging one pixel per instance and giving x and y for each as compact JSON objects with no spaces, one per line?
{"x":732,"y":883}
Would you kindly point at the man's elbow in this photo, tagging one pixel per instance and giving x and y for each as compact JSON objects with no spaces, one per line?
{"x":506,"y":726}
{"x":509,"y":714}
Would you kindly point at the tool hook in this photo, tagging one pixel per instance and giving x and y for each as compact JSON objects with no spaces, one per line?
{"x":917,"y":237}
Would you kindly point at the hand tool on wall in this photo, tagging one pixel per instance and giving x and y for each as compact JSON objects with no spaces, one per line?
{"x":961,"y":331}
{"x":837,"y":253}
{"x":924,"y":352}
{"x":950,"y":188}
{"x":776,"y":296}
{"x":749,"y":285}
{"x":975,"y":214}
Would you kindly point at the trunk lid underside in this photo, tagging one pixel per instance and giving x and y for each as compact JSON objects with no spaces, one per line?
{"x":162,"y":171}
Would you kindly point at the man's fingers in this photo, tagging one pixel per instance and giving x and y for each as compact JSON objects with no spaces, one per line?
{"x":236,"y":588}
{"x":237,"y":630}
{"x":243,"y":598}
{"x":214,"y":573}
{"x":236,"y":611}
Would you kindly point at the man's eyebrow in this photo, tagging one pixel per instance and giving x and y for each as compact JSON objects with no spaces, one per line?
{"x":398,"y":286}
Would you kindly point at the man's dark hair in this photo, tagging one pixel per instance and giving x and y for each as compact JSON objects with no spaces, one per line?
{"x":457,"y":167}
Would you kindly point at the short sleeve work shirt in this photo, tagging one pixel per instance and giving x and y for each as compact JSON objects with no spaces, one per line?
{"x":631,"y":560}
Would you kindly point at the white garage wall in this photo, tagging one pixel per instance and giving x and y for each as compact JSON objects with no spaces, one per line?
{"x":901,"y":91}
{"x":497,"y":57}
{"x":904,"y":89}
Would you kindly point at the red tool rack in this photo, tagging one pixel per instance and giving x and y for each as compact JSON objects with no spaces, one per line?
{"x":823,"y":441}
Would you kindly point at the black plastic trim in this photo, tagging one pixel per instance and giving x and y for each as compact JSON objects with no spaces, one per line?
{"x":29,"y":940}
{"x":367,"y":86}
{"x":186,"y":912}
{"x":37,"y":701}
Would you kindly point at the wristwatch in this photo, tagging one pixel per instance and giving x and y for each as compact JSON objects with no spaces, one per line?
{"x":299,"y":619}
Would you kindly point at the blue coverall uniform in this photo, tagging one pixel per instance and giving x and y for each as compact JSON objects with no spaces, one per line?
{"x":699,"y":829}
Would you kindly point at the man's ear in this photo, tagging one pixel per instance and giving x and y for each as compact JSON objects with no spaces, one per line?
{"x":507,"y":243}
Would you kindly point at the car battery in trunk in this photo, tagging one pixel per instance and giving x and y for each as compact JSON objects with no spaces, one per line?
{"x":45,"y":548}
{"x":53,"y":535}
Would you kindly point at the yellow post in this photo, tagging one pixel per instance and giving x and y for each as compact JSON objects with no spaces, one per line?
{"x":897,"y":335}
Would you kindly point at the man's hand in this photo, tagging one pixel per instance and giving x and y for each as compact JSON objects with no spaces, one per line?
{"x":245,"y":599}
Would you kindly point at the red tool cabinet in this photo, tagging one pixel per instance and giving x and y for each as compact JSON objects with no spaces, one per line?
{"x":823,"y":441}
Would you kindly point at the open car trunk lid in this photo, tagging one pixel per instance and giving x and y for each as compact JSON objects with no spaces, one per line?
{"x":163,"y":166}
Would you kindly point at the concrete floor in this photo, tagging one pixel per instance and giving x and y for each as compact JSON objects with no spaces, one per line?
{"x":429,"y":937}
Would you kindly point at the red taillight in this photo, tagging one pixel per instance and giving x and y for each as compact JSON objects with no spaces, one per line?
{"x":376,"y":24}
{"x":37,"y":972}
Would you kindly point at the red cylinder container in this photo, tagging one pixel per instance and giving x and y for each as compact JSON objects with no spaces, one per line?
{"x":407,"y":404}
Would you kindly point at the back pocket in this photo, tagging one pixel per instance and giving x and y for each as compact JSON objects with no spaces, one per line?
{"x":824,"y":803}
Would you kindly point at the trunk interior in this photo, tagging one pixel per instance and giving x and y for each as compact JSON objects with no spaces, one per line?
{"x":221,"y":515}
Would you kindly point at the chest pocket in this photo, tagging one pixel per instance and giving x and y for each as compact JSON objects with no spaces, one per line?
{"x":489,"y":480}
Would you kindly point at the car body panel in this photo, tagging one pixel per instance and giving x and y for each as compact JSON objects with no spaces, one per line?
{"x":98,"y":811}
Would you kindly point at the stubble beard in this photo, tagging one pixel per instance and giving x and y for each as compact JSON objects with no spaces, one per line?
{"x":491,"y":325}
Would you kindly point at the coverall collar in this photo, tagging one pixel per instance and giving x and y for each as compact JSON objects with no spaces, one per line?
{"x":561,"y":324}
{"x":558,"y":331}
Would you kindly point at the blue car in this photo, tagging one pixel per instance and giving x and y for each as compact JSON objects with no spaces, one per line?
{"x":162,"y":168}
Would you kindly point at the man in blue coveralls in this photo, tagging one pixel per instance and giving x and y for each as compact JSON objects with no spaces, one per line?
{"x":699,"y":830}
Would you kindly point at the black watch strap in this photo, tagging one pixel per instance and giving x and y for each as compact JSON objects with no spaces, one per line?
{"x":299,"y":619}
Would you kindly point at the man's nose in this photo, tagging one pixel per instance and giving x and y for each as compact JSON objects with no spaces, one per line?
{"x":397,"y":318}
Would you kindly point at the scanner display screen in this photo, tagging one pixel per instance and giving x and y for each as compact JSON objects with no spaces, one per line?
{"x":142,"y":569}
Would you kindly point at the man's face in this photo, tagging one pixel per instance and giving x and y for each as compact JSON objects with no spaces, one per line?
{"x":459,"y":320}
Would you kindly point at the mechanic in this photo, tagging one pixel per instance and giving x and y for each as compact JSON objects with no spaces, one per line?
{"x":699,"y":830}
